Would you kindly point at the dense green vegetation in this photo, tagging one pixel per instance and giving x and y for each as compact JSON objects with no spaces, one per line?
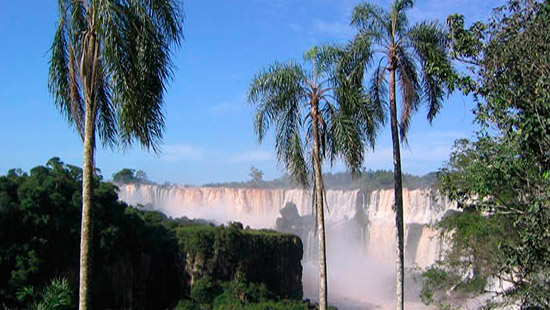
{"x":142,"y":260}
{"x":501,"y":178}
{"x":227,"y":253}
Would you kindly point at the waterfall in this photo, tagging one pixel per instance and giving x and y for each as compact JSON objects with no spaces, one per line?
{"x":365,"y":218}
{"x":360,"y":227}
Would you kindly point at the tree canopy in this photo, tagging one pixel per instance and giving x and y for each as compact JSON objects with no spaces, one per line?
{"x":503,"y":175}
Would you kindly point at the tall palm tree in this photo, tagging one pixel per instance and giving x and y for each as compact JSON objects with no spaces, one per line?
{"x":311,"y":109}
{"x":418,"y":56}
{"x":109,"y":64}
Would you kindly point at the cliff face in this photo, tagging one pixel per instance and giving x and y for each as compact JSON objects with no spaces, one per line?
{"x":232,"y":253}
{"x":363,"y":220}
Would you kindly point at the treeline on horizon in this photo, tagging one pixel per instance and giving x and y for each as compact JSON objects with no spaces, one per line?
{"x":367,"y":180}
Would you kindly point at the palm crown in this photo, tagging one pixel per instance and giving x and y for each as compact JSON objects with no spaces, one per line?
{"x":292,"y":98}
{"x":418,"y":54}
{"x":113,"y":58}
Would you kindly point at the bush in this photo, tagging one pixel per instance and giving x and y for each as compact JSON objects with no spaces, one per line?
{"x":204,"y":290}
{"x":186,"y":304}
{"x":57,"y":295}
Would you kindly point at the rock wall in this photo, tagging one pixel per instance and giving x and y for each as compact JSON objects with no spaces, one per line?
{"x":229,"y":253}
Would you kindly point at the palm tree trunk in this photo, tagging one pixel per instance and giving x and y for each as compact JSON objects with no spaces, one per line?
{"x":398,"y":191}
{"x":318,"y":187}
{"x":86,"y":222}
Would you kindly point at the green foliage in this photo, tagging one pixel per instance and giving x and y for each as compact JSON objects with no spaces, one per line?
{"x":140,"y":254}
{"x":237,"y":295}
{"x":257,"y":176}
{"x":112,"y":58}
{"x":40,"y":233}
{"x":57,"y":295}
{"x":130,"y":176}
{"x":204,"y":290}
{"x":233,"y":253}
{"x":502,"y":176}
{"x":186,"y":304}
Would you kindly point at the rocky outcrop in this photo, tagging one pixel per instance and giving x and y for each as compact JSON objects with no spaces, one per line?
{"x":233,"y":253}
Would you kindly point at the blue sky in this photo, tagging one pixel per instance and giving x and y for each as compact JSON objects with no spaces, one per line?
{"x":209,"y":135}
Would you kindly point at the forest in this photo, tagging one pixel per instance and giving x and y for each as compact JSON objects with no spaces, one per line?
{"x":142,"y":259}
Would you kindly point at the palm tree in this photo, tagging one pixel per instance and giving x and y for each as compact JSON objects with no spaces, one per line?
{"x":418,"y":56}
{"x":311,"y":111}
{"x":109,"y":64}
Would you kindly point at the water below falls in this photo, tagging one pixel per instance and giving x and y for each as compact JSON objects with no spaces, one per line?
{"x":360,"y":232}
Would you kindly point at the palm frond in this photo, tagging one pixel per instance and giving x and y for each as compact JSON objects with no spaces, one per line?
{"x":76,"y":101}
{"x":400,"y":21}
{"x":429,"y":42}
{"x":277,"y":92}
{"x":327,"y":57}
{"x":63,"y":81}
{"x":272,"y":90}
{"x":107,"y":123}
{"x":116,"y":54}
{"x":290,"y":150}
{"x":353,"y":119}
{"x":410,"y":89}
{"x":355,"y":62}
{"x":378,"y":91}
{"x":346,"y":140}
{"x":166,"y":15}
{"x":137,"y":38}
{"x":372,"y":20}
{"x":401,"y":25}
{"x":402,"y":5}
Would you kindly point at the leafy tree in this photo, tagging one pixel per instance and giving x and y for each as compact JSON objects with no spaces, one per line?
{"x":504,"y":173}
{"x":39,"y":241}
{"x":417,"y":57}
{"x":126,"y":176}
{"x":109,"y":64}
{"x":311,"y":111}
{"x":257,"y":176}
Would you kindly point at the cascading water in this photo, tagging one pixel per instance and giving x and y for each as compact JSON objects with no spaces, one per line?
{"x":360,"y":230}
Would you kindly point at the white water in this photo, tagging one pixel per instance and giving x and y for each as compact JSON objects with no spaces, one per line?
{"x":360,"y":232}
